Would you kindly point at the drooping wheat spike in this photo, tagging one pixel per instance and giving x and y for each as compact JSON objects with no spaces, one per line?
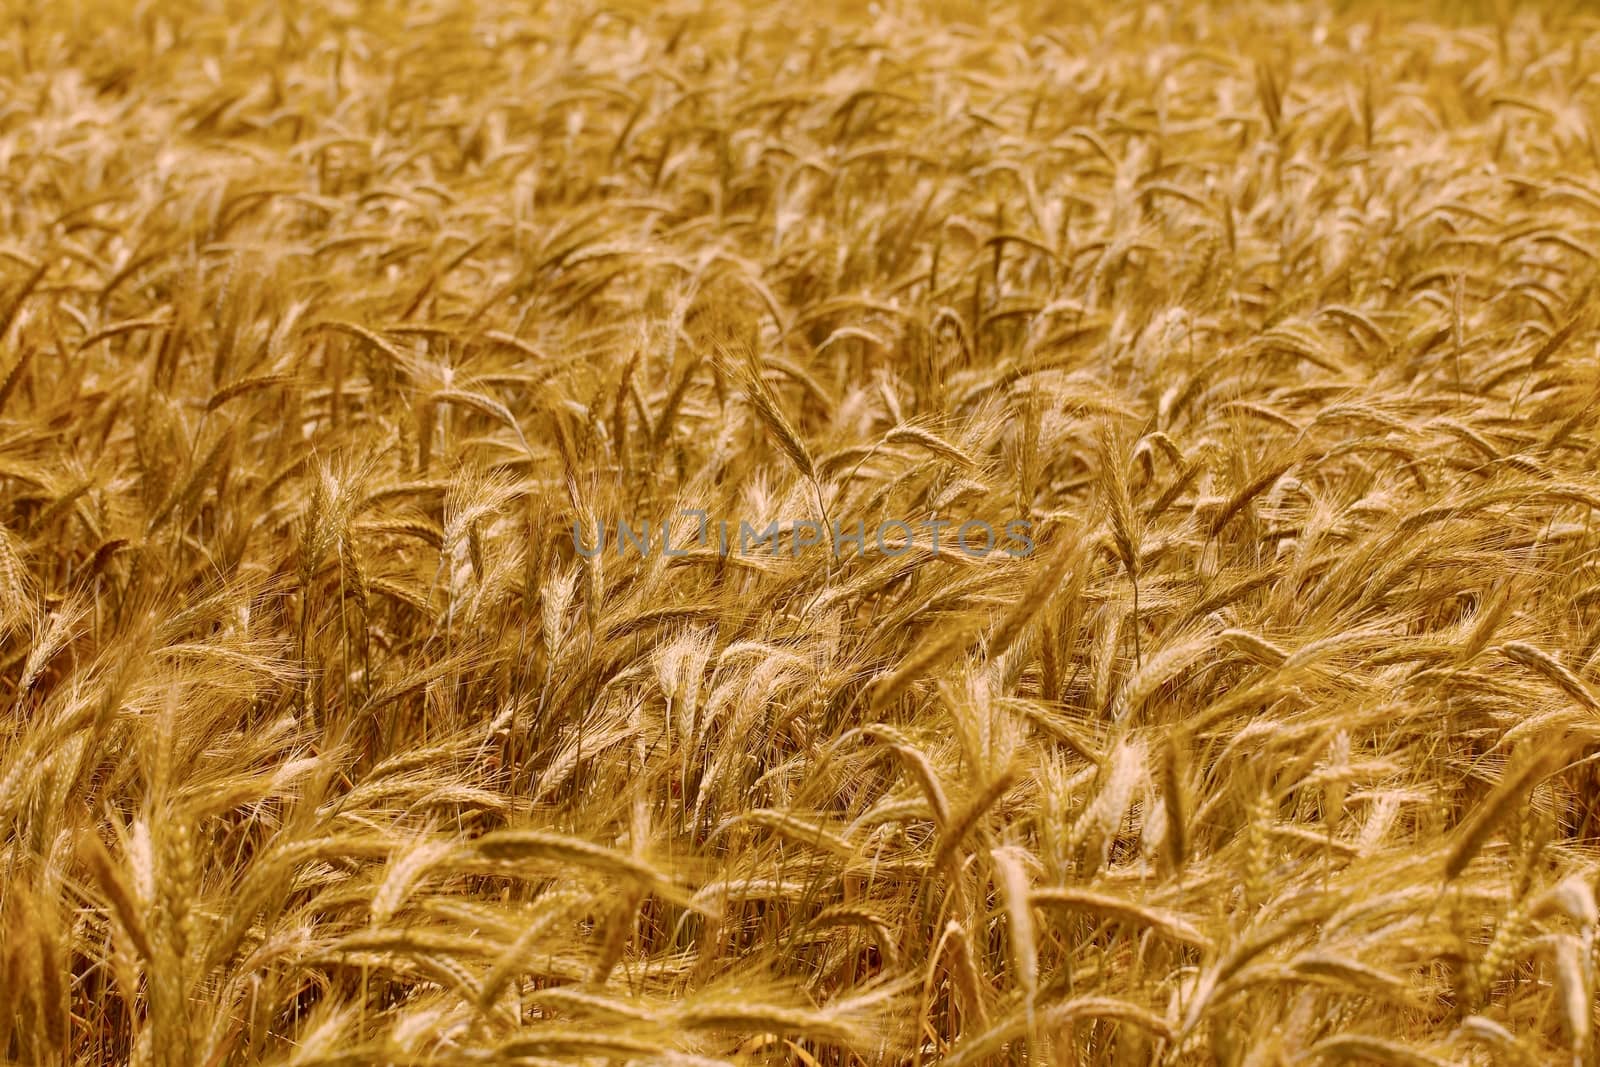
{"x":1175,"y":794}
{"x":1508,"y":798}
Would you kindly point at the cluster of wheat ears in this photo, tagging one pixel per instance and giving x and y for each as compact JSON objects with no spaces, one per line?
{"x":325,"y":325}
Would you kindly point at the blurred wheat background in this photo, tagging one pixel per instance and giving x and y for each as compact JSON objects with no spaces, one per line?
{"x":323,"y":324}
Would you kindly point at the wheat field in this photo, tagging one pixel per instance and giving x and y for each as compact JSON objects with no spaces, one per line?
{"x":387,"y":394}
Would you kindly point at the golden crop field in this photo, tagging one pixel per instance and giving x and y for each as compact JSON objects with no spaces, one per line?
{"x":832,"y":534}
